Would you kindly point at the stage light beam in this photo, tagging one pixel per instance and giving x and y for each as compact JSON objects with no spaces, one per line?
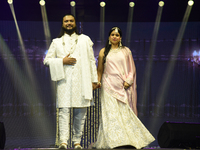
{"x":25,"y":78}
{"x":129,"y":23}
{"x":73,"y":4}
{"x":45,"y":24}
{"x":149,"y":64}
{"x":102,"y":22}
{"x":28,"y":67}
{"x":161,"y":96}
{"x":23,"y":51}
{"x":26,"y":92}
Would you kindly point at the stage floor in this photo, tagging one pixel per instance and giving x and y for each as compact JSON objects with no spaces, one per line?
{"x":96,"y":149}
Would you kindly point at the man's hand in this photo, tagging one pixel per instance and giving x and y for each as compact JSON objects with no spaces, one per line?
{"x":98,"y":84}
{"x":94,"y":86}
{"x":69,"y":61}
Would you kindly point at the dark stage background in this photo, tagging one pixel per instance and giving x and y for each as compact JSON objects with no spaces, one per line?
{"x":27,"y":103}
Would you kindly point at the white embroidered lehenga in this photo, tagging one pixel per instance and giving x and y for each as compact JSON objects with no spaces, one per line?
{"x":119,"y":126}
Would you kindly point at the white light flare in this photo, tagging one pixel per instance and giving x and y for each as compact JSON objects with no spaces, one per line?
{"x":10,"y":1}
{"x":195,"y":53}
{"x":102,"y":4}
{"x":190,"y":2}
{"x":161,"y":3}
{"x":42,"y":2}
{"x":131,"y":4}
{"x":72,"y":3}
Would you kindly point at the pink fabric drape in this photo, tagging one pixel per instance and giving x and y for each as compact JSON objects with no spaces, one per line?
{"x":120,"y":68}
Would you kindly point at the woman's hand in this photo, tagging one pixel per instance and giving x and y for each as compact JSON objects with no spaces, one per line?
{"x":126,"y":85}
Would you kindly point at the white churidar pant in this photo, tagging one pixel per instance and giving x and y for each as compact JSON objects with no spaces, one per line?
{"x":79,"y":115}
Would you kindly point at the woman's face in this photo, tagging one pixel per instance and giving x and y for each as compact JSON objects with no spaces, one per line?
{"x":114,"y":37}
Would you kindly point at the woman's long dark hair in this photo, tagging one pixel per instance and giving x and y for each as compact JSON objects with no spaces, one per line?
{"x":108,"y":46}
{"x":62,"y":31}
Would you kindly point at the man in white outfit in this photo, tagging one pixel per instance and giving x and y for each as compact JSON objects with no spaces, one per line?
{"x":72,"y":64}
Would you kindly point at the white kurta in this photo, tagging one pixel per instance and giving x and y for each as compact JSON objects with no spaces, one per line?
{"x":74,"y":83}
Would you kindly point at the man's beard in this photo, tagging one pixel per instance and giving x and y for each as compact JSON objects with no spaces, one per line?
{"x":69,"y":31}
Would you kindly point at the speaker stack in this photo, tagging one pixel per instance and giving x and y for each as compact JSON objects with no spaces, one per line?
{"x":179,"y":135}
{"x":2,"y":136}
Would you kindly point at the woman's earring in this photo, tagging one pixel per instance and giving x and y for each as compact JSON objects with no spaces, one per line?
{"x":120,"y":44}
{"x":109,"y":42}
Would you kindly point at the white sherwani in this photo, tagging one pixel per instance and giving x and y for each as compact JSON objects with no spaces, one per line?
{"x":74,"y":83}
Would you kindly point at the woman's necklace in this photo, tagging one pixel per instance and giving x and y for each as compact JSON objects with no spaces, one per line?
{"x":115,"y":50}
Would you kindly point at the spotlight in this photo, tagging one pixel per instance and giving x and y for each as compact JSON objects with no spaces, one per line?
{"x":10,"y":1}
{"x":190,"y":2}
{"x":131,"y":4}
{"x":102,"y":4}
{"x":42,"y":2}
{"x":195,"y":53}
{"x":161,"y":3}
{"x":72,"y":3}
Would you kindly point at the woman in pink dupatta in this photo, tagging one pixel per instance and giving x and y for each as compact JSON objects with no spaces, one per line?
{"x":119,"y":124}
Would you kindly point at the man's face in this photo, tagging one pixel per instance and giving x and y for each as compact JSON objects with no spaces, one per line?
{"x":69,"y":22}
